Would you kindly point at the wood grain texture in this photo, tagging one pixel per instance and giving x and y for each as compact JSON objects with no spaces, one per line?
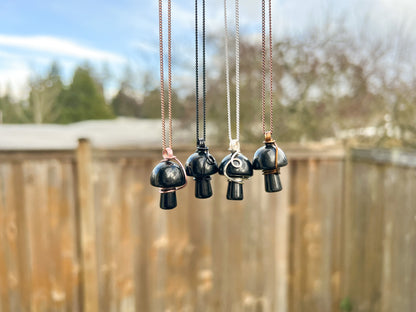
{"x":82,"y":231}
{"x":87,"y":227}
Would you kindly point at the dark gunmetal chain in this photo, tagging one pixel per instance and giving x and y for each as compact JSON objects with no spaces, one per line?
{"x":204,"y":91}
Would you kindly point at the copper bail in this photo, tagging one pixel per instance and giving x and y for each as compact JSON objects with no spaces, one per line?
{"x":268,"y":139}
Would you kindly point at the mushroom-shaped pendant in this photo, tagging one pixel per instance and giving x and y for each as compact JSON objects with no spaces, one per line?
{"x":236,"y":168}
{"x":169,"y":175}
{"x":201,"y":165}
{"x":270,"y":158}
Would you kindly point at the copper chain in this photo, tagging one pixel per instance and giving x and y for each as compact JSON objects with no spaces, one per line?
{"x":263,"y":90}
{"x":162,"y":82}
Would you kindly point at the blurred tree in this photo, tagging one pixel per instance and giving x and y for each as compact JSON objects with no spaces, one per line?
{"x":9,"y":110}
{"x":125,"y":103}
{"x":151,"y":104}
{"x":250,"y":88}
{"x":44,"y":92}
{"x":83,"y":99}
{"x":325,"y":83}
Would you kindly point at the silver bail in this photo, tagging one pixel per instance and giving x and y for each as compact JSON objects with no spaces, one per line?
{"x":234,"y":146}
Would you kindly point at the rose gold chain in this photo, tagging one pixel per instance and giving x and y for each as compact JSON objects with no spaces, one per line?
{"x":170,"y":69}
{"x":271,"y":66}
{"x":162,"y":82}
{"x":263,"y":50}
{"x":263,"y":65}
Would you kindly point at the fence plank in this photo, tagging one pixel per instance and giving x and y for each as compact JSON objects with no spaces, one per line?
{"x":87,"y":227}
{"x":8,"y":232}
{"x":88,"y":235}
{"x":399,"y":273}
{"x":363,"y":236}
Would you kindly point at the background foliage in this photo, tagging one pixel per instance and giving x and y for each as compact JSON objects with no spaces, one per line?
{"x":328,"y":84}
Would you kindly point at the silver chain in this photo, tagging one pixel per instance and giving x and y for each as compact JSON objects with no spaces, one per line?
{"x":237,"y":70}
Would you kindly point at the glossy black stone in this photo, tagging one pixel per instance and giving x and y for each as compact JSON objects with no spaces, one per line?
{"x":203,"y":187}
{"x":167,"y":176}
{"x":168,"y":200}
{"x":265,"y":159}
{"x":241,"y":170}
{"x":244,"y":171}
{"x":235,"y":191}
{"x":272,"y":183}
{"x":201,"y":165}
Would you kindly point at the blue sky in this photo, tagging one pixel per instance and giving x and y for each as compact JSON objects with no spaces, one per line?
{"x":34,"y":33}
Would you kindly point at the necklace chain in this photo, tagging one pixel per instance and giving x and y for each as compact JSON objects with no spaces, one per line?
{"x":162,"y":82}
{"x":263,"y":90}
{"x":204,"y":90}
{"x":237,"y":70}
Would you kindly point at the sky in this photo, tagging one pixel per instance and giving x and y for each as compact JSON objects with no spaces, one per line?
{"x":115,"y":34}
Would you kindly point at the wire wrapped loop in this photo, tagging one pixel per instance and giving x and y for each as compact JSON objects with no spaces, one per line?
{"x":269,"y":140}
{"x":236,"y":163}
{"x":169,"y":156}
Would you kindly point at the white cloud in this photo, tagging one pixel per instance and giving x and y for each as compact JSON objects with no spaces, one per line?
{"x":21,"y":56}
{"x":13,"y":79}
{"x":58,"y":47}
{"x":145,"y":47}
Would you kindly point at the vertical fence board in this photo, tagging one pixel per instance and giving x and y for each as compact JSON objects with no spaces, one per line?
{"x":125,"y":257}
{"x":37,"y":216}
{"x":89,"y":235}
{"x":281,"y":256}
{"x":8,"y":230}
{"x":22,"y":249}
{"x":363,"y":235}
{"x":144,"y":200}
{"x":67,"y":225}
{"x":399,"y":280}
{"x":87,"y":227}
{"x":316,"y":208}
{"x":297,"y":253}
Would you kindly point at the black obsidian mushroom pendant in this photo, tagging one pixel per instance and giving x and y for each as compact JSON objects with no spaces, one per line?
{"x":201,"y":165}
{"x":270,"y":158}
{"x":169,"y":175}
{"x":236,"y":168}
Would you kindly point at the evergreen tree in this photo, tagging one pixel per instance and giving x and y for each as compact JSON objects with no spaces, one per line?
{"x":125,"y":104}
{"x":83,"y":100}
{"x":151,"y":104}
{"x":9,"y":110}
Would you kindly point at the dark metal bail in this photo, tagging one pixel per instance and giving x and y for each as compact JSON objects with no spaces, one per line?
{"x":201,"y":165}
{"x":270,"y":159}
{"x":169,"y":176}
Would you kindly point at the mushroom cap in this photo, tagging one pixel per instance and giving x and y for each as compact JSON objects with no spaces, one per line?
{"x":167,"y":174}
{"x":200,"y":164}
{"x":265,"y":158}
{"x":244,"y":171}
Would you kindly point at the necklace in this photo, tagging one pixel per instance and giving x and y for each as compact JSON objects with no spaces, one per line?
{"x":201,"y":164}
{"x":235,"y":166}
{"x":268,"y":158}
{"x":169,"y":175}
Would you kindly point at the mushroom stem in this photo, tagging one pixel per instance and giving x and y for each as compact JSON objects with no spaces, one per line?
{"x":203,"y":187}
{"x":235,"y":191}
{"x":272,"y":183}
{"x":168,"y":200}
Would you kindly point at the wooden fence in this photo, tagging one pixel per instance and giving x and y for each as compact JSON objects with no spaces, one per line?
{"x":82,"y":231}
